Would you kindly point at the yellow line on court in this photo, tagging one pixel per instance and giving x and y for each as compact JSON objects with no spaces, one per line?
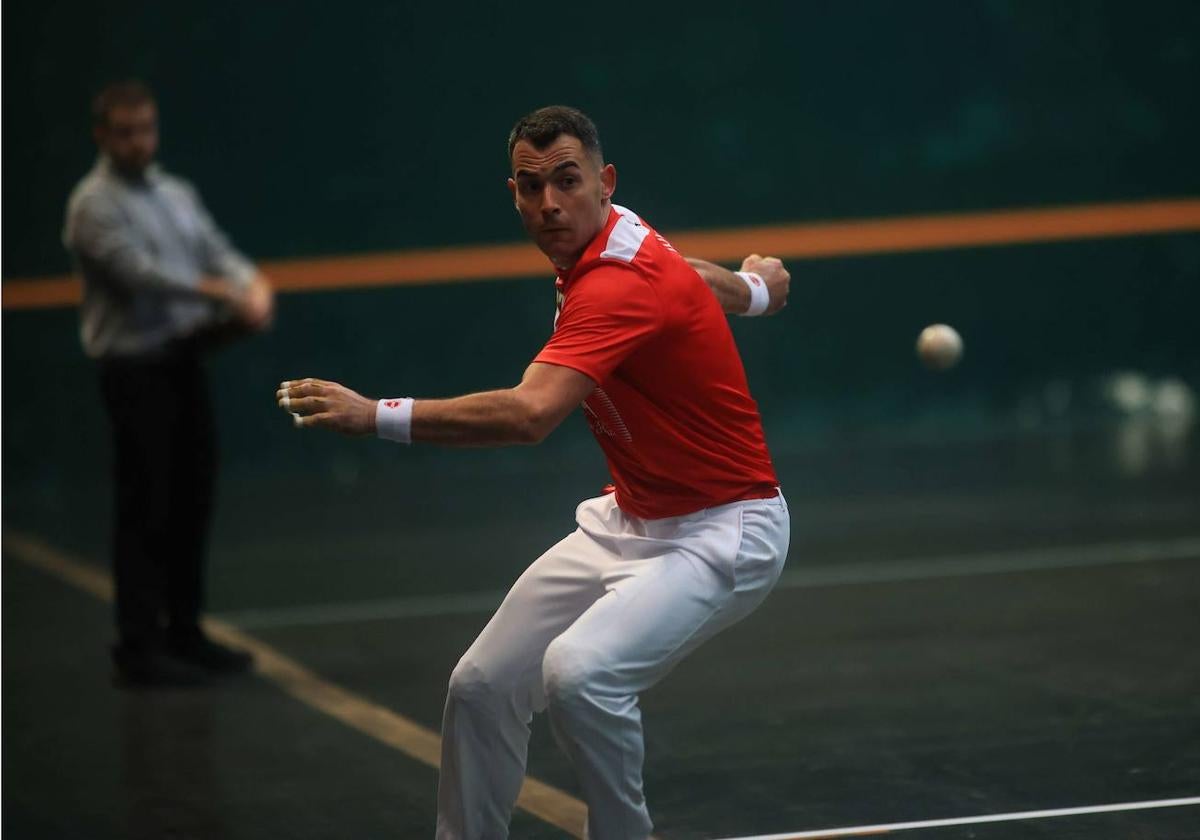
{"x":537,"y":798}
{"x":804,"y":240}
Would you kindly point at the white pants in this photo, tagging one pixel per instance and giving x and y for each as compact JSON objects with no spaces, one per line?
{"x":600,"y":617}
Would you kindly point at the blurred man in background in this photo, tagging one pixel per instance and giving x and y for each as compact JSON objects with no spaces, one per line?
{"x":161,"y":286}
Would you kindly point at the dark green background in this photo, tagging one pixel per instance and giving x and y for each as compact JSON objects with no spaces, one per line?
{"x":334,"y":128}
{"x":319,"y":128}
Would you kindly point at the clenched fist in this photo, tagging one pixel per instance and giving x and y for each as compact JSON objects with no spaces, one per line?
{"x":774,"y":275}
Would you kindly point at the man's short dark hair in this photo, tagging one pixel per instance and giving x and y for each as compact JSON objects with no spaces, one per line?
{"x":128,"y":93}
{"x":545,"y":125}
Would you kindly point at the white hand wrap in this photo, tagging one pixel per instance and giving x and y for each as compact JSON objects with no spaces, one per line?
{"x":393,"y":420}
{"x":760,"y":298}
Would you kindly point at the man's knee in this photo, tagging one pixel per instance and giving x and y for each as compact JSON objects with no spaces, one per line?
{"x":568,"y":672}
{"x":473,"y":686}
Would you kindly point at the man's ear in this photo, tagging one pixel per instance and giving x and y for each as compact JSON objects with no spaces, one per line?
{"x":608,"y":180}
{"x":512,"y":188}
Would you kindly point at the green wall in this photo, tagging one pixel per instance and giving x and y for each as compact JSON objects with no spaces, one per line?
{"x":334,"y":128}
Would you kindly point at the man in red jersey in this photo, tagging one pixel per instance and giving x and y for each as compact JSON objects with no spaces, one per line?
{"x":691,"y":540}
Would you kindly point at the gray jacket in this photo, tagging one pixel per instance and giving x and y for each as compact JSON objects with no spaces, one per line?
{"x":142,"y":247}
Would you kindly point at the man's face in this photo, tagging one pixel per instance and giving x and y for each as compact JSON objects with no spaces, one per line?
{"x":129,"y":136}
{"x":562,"y":193}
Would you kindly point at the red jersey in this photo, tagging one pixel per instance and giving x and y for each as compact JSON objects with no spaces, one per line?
{"x":671,"y":410}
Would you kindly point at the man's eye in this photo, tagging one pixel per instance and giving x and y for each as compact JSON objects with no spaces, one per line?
{"x":567,"y":182}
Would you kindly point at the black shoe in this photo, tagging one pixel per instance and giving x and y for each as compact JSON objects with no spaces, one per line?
{"x":196,"y":649}
{"x":136,"y":669}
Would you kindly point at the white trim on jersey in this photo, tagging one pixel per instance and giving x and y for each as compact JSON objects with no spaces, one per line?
{"x":625,"y":211}
{"x":617,"y":429}
{"x":626,"y":237}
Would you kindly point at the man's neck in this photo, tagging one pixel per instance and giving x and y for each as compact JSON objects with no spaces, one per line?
{"x":132,"y":176}
{"x":565,"y":269}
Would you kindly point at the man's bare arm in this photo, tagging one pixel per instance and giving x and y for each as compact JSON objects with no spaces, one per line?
{"x":525,"y":414}
{"x":732,"y":292}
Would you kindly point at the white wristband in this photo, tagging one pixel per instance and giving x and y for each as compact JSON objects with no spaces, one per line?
{"x":760,"y":298}
{"x":393,"y":420}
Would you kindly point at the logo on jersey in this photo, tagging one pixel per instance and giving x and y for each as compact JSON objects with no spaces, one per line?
{"x":603,"y":417}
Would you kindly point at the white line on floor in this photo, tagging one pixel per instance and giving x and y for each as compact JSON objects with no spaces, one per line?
{"x":865,"y":830}
{"x":993,"y":562}
{"x":843,"y":574}
{"x":420,"y":606}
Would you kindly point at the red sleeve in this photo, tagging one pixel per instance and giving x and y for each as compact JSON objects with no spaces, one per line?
{"x":607,"y":314}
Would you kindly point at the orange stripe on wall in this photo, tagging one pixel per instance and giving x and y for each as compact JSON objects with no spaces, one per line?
{"x":807,"y":240}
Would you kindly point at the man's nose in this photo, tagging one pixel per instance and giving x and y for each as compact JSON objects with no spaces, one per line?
{"x":550,"y":205}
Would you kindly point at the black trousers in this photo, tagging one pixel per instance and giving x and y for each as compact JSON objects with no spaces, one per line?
{"x":165,"y":463}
